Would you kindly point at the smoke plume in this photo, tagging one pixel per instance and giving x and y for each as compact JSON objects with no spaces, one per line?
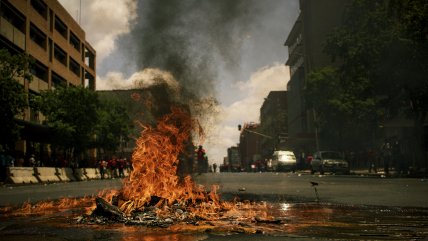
{"x":190,"y":39}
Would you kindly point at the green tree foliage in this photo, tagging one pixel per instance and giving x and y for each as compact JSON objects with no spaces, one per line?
{"x":72,"y":112}
{"x":380,"y":70}
{"x":411,"y":73}
{"x":13,"y":98}
{"x":113,"y":126}
{"x":82,"y":121}
{"x":343,"y":114}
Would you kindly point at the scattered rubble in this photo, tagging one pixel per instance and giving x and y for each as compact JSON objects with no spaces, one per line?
{"x":175,"y":214}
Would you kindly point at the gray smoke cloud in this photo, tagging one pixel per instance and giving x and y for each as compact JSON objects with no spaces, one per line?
{"x":191,"y":39}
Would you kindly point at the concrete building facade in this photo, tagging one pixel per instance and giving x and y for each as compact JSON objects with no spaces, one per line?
{"x":47,"y":32}
{"x":274,"y":123}
{"x":232,"y":162}
{"x":249,"y":145}
{"x":305,"y":41}
{"x":44,"y":30}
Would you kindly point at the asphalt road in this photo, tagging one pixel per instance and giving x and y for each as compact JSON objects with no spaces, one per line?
{"x":343,"y":189}
{"x":18,"y":194}
{"x":292,"y":187}
{"x":350,"y":208}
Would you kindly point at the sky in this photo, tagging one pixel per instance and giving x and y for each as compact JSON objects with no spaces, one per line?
{"x":230,"y":50}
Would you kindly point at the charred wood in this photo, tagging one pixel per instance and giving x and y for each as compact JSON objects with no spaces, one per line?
{"x":107,"y":210}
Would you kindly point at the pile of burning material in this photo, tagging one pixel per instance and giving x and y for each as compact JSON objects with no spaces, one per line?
{"x":153,"y":194}
{"x":153,"y":190}
{"x":244,"y":217}
{"x":150,"y":215}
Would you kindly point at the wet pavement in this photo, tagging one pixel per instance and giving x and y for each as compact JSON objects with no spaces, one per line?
{"x":298,"y":221}
{"x":348,"y":209}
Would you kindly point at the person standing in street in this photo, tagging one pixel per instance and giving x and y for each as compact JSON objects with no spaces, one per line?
{"x":201,"y":160}
{"x":121,"y":166}
{"x":387,"y":156}
{"x":371,"y":161}
{"x":103,"y":167}
{"x":32,"y":161}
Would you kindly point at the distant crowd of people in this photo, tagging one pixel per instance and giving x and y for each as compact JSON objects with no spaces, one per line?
{"x":109,"y":168}
{"x":114,"y":167}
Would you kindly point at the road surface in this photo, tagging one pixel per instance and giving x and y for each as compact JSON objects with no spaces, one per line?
{"x":348,"y":208}
{"x":292,"y":187}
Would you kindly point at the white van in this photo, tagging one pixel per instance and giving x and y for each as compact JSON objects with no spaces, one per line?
{"x":283,"y":161}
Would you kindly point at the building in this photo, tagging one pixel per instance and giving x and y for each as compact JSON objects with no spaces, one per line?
{"x":233,"y":159}
{"x":249,"y":145}
{"x":63,"y":57}
{"x":305,"y":42}
{"x":274,"y":123}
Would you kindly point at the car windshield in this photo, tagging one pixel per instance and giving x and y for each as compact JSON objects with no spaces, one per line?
{"x":286,"y":156}
{"x":331,"y":155}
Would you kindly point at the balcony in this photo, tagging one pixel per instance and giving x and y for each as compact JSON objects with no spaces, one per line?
{"x":12,"y":34}
{"x":38,"y":85}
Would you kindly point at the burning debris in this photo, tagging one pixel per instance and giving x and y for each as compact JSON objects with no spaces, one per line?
{"x":150,"y":215}
{"x":238,"y":216}
{"x":154,"y":196}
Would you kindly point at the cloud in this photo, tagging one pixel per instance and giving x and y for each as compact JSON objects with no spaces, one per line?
{"x":103,"y":21}
{"x":140,"y":79}
{"x":225,"y":134}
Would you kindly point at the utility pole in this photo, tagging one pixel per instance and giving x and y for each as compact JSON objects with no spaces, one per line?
{"x":316,"y":130}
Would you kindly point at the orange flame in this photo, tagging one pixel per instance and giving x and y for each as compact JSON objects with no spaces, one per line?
{"x":51,"y":206}
{"x":155,"y":161}
{"x":154,"y":179}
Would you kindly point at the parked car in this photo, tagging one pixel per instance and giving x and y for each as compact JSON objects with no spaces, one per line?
{"x":283,"y":161}
{"x":329,"y":161}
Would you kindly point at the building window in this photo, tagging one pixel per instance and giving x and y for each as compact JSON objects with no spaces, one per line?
{"x":12,"y":15}
{"x":40,"y":71}
{"x":40,"y":7}
{"x":50,"y":45}
{"x":89,"y":59}
{"x":60,"y":55}
{"x":38,"y":36}
{"x":61,"y":27}
{"x":34,"y":114}
{"x":58,"y":81}
{"x":74,"y":67}
{"x":74,"y":41}
{"x":89,"y":81}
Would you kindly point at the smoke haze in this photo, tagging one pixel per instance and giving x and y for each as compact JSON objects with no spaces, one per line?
{"x":214,"y":49}
{"x":190,"y":39}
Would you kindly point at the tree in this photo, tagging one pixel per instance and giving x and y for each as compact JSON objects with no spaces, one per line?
{"x":13,"y":100}
{"x":380,"y":71}
{"x":72,"y":112}
{"x":412,"y":77}
{"x":113,"y":126}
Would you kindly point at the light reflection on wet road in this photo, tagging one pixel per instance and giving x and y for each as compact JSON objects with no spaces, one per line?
{"x":299,"y":221}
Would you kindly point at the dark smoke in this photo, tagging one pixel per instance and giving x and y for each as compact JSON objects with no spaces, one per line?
{"x":189,"y":38}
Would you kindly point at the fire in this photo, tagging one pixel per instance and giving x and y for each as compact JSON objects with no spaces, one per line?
{"x":154,"y":188}
{"x":50,"y":206}
{"x":154,"y":176}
